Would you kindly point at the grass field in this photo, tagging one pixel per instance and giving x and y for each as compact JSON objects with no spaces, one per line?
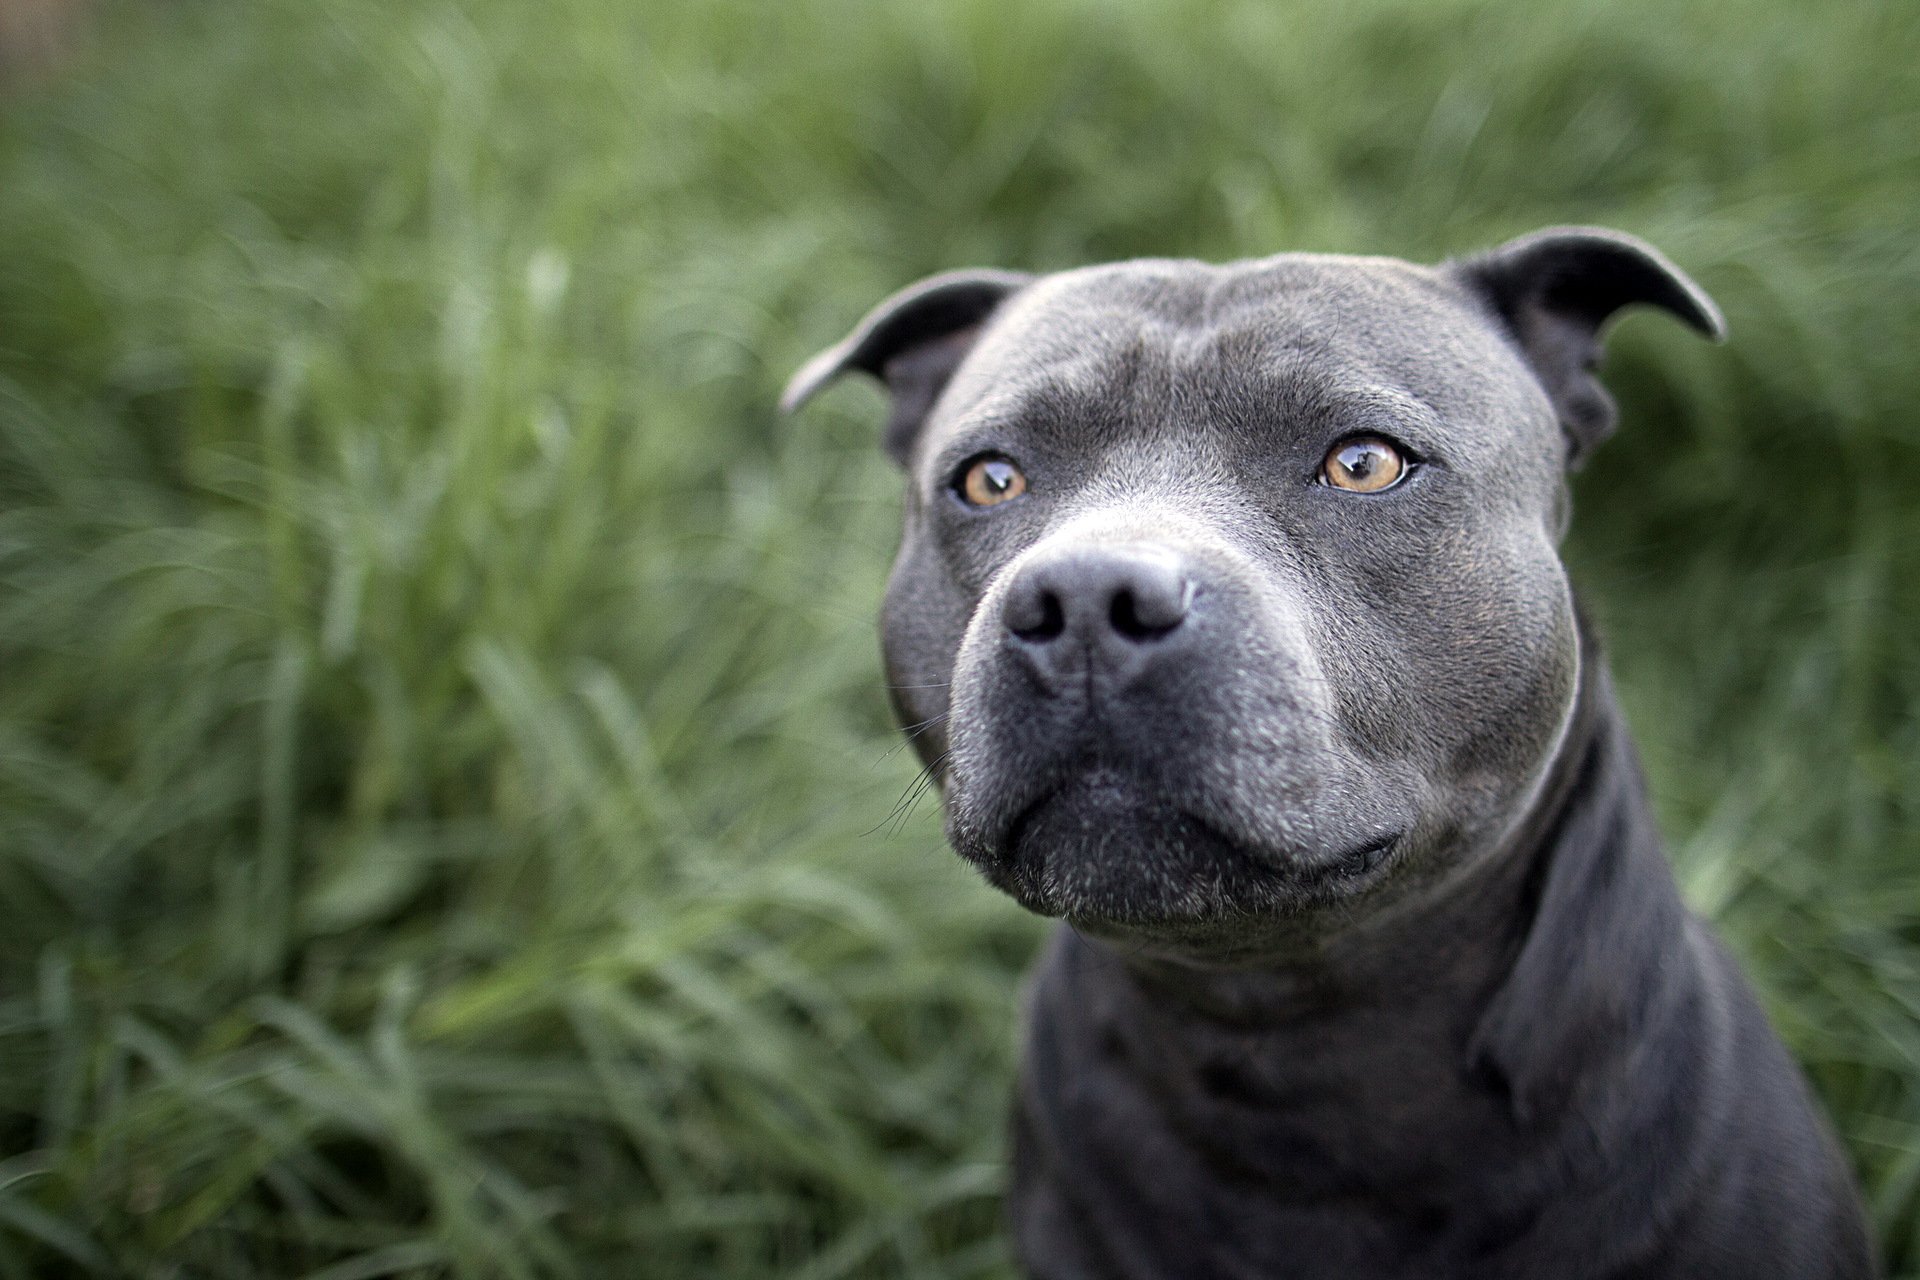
{"x":448,"y":814}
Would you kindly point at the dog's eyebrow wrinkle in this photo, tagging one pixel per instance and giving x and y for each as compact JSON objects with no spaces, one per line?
{"x":1005,"y":405}
{"x":1392,"y":402}
{"x":1131,"y":362}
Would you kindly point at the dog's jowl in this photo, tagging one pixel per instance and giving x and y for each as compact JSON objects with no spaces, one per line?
{"x":1233,"y":599}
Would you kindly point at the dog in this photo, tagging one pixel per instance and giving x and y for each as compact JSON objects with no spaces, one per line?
{"x":1230,"y":607}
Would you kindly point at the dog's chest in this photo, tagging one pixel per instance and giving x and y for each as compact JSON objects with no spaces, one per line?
{"x":1354,"y":1144}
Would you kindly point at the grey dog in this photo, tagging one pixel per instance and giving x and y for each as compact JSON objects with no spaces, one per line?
{"x":1231,"y":600}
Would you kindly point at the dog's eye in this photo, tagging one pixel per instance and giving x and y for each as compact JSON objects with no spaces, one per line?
{"x":990,"y":481}
{"x":1363,"y":464}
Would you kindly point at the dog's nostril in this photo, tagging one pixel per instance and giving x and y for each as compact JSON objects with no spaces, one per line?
{"x":1125,"y":617}
{"x":1146,"y":615}
{"x":1040,"y":618}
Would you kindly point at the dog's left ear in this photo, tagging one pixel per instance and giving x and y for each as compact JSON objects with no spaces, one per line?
{"x":1555,"y":290}
{"x":912,"y":342}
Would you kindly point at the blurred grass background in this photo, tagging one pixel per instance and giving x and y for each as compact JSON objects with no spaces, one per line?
{"x":447,"y":808}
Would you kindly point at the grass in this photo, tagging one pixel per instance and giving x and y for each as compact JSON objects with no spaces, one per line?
{"x":448,"y":812}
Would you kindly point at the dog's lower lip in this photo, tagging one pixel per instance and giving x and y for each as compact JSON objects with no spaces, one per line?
{"x":1006,"y":846}
{"x":1368,"y":856}
{"x":1003,"y":848}
{"x":1358,"y":861}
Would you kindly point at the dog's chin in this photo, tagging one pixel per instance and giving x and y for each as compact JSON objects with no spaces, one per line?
{"x":1105,"y":851}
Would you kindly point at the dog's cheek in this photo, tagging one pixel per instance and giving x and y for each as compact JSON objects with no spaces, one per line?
{"x":1479,"y":657}
{"x":1515,"y":679}
{"x":922,"y":621}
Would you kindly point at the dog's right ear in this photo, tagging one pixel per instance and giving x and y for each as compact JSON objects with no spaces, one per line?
{"x":912,"y":342}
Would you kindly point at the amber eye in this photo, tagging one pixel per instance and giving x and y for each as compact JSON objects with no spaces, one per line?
{"x":1363,"y":464}
{"x":990,"y":481}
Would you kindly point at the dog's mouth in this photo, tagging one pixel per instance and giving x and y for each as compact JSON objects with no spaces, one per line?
{"x":1105,"y":847}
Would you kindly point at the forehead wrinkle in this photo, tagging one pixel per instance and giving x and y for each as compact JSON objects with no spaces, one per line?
{"x":1133,"y":347}
{"x":1260,"y":396}
{"x":1145,"y":468}
{"x":1128,"y":360}
{"x":1184,"y":389}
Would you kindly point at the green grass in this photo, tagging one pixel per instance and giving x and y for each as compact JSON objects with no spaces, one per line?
{"x":447,"y":805}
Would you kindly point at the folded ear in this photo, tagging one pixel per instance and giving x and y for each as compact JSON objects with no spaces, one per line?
{"x":912,"y":342}
{"x":1557,"y":289}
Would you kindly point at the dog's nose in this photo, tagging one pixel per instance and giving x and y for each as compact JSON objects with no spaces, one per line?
{"x":1101,"y":605}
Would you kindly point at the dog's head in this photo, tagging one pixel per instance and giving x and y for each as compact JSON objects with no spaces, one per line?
{"x":1230,"y":592}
